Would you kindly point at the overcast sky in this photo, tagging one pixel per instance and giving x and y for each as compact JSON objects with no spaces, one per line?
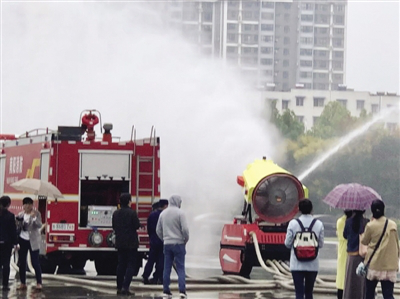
{"x":373,"y":46}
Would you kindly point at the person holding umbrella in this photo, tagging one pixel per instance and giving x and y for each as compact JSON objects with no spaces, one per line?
{"x":29,"y":239}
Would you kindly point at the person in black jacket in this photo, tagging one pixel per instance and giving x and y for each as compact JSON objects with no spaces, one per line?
{"x":8,"y":238}
{"x":125,"y":222}
{"x":156,"y":255}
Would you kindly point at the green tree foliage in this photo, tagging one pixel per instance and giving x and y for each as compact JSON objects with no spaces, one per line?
{"x":286,"y":123}
{"x":335,"y":121}
{"x":371,"y":159}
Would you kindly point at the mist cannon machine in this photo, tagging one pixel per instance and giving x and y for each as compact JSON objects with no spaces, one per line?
{"x":271,"y":195}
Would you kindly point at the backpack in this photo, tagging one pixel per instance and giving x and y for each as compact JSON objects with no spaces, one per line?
{"x":306,"y":243}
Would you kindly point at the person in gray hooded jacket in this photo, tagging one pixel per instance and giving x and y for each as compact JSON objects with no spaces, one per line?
{"x":173,"y":230}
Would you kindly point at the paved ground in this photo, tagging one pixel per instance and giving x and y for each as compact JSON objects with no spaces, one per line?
{"x":197,"y":269}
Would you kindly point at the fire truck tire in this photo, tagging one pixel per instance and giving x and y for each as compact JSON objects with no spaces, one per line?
{"x":78,"y":263}
{"x":107,"y":265}
{"x":47,"y":265}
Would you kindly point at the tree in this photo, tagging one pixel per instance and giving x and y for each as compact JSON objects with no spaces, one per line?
{"x":286,"y":123}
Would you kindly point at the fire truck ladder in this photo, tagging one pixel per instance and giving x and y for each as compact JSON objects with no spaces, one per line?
{"x":143,"y":160}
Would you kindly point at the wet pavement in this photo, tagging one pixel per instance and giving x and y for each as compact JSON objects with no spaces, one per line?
{"x":201,"y":283}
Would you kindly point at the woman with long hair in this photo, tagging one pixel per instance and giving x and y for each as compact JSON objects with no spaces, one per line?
{"x":384,"y":264}
{"x":354,"y":285}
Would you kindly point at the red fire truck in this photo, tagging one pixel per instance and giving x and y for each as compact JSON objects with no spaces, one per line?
{"x":91,"y":173}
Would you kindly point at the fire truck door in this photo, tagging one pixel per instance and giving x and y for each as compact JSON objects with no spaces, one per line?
{"x":42,"y":205}
{"x":2,"y":172}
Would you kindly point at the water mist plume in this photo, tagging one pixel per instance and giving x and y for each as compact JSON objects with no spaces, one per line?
{"x":345,"y":140}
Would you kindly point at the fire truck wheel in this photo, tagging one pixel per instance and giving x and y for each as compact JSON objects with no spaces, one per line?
{"x":106,"y":265}
{"x":47,"y":265}
{"x":78,"y":263}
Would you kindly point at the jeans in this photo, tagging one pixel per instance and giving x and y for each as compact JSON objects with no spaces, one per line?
{"x":304,"y":283}
{"x":156,"y":256}
{"x":174,"y":253}
{"x":5,"y":256}
{"x":387,"y":289}
{"x":25,"y":246}
{"x":125,"y":268}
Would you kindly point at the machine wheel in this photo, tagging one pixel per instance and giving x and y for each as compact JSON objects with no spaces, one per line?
{"x":106,"y":265}
{"x":48,"y":266}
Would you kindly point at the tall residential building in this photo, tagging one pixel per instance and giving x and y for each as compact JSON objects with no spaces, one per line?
{"x":279,"y":44}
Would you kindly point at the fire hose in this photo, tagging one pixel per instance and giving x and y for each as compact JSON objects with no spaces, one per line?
{"x":283,"y":277}
{"x":280,"y":271}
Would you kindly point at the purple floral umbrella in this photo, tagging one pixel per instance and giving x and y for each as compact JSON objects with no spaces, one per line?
{"x":351,"y":197}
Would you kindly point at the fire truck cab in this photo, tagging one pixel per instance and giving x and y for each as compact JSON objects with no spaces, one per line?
{"x":91,"y":174}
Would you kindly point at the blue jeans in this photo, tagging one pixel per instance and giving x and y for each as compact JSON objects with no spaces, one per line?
{"x":387,"y":289}
{"x":25,"y":246}
{"x":174,"y":253}
{"x":125,"y":268}
{"x":304,"y":283}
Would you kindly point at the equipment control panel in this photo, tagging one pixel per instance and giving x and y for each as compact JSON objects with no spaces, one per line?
{"x":100,"y":216}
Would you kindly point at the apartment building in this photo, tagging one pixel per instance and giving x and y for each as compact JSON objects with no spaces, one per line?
{"x":277,"y":44}
{"x":309,"y":104}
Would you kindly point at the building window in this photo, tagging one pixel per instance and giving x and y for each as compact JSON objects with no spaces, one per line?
{"x":343,"y":102}
{"x":267,"y":38}
{"x":307,"y":63}
{"x":232,"y":26}
{"x":285,"y":75}
{"x":360,"y":104}
{"x":338,"y":20}
{"x":267,"y":50}
{"x":268,"y":4}
{"x":338,"y":54}
{"x":305,"y":74}
{"x":374,"y":108}
{"x":300,"y":101}
{"x":391,"y":126}
{"x":300,"y":118}
{"x":338,"y":31}
{"x":307,"y":6}
{"x":306,"y":40}
{"x":318,"y":102}
{"x":286,"y":51}
{"x":307,"y":18}
{"x":267,"y":27}
{"x":308,"y":29}
{"x":207,"y":16}
{"x":285,"y":104}
{"x":315,"y":120}
{"x":285,"y":63}
{"x":231,"y":49}
{"x":286,"y":29}
{"x":321,"y":30}
{"x":305,"y":52}
{"x":266,"y":61}
{"x":337,"y":42}
{"x":231,"y":37}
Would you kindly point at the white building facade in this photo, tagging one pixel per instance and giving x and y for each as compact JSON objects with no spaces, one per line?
{"x":309,"y":104}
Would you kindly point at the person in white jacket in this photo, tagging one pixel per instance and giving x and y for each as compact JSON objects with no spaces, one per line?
{"x":173,"y":230}
{"x":29,"y":239}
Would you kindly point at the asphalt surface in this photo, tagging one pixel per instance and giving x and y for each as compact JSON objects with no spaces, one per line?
{"x":198,"y":270}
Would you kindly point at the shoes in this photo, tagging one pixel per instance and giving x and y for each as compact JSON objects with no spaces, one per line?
{"x":167,"y":295}
{"x":5,"y":288}
{"x":119,"y":292}
{"x":126,"y":293}
{"x":22,"y":287}
{"x":38,"y":287}
{"x":146,"y":281}
{"x":153,"y":281}
{"x":182,"y":296}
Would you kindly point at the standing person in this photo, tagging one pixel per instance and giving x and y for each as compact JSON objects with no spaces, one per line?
{"x":156,"y":255}
{"x":354,"y":285}
{"x":304,"y":273}
{"x":125,"y":222}
{"x":342,"y":253}
{"x":173,"y":230}
{"x":384,"y":264}
{"x":30,"y":222}
{"x":8,"y":238}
